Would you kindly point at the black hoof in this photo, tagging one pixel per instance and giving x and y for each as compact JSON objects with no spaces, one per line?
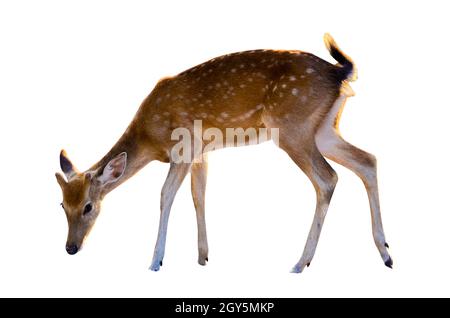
{"x":160,"y":263}
{"x":307,"y":265}
{"x":389,"y":262}
{"x":386,"y":244}
{"x":206,"y":259}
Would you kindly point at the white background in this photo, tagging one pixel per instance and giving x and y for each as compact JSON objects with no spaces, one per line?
{"x":72,"y":75}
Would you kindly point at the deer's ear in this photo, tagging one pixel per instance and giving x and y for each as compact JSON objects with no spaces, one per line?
{"x":114,"y":170}
{"x":66,"y":165}
{"x":60,"y":179}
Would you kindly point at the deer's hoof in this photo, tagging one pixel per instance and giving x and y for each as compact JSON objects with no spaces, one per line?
{"x":389,"y":262}
{"x":156,"y":265}
{"x":202,"y":260}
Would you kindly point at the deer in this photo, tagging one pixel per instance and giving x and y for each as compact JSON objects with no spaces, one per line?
{"x":296,"y":92}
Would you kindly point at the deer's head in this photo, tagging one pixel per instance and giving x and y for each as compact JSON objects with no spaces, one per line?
{"x":82,"y":195}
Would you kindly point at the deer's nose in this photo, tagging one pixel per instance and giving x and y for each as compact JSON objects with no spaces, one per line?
{"x":72,"y":249}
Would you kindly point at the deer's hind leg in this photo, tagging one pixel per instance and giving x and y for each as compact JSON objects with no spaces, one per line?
{"x":324,"y":180}
{"x":296,"y":137}
{"x":363,"y":164}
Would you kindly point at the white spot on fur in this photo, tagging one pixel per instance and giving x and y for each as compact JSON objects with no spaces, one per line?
{"x":183,"y":113}
{"x":242,"y":85}
{"x":284,"y":85}
{"x":294,"y":91}
{"x":241,"y":66}
{"x":166,"y":114}
{"x":224,"y":115}
{"x":309,"y":70}
{"x":274,"y":88}
{"x":156,"y":117}
{"x":233,"y":70}
{"x":250,"y":79}
{"x":203,"y":115}
{"x":304,"y":99}
{"x":292,"y":78}
{"x":251,"y":112}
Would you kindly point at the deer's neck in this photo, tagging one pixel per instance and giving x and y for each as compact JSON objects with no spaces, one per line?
{"x":138,"y":155}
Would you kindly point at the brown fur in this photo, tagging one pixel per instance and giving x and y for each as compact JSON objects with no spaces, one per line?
{"x":75,"y":191}
{"x":289,"y":90}
{"x":223,"y":85}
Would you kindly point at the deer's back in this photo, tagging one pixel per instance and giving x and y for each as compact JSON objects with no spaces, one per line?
{"x":235,"y":90}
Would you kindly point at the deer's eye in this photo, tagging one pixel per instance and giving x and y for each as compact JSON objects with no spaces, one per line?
{"x":87,"y":208}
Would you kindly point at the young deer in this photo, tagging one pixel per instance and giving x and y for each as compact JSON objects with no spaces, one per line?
{"x":298,"y":93}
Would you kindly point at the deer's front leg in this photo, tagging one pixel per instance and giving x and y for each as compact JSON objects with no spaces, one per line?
{"x":176,"y":175}
{"x":199,"y":171}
